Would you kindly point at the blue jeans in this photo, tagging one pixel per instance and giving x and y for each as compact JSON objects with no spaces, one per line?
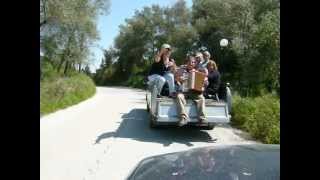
{"x":159,"y":81}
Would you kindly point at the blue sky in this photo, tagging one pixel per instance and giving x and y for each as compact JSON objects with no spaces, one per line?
{"x":108,"y":26}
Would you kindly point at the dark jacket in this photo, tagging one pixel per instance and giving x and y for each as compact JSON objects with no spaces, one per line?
{"x":214,"y":82}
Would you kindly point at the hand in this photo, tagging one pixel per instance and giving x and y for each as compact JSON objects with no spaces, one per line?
{"x":157,"y":57}
{"x":206,"y":82}
{"x":163,"y":50}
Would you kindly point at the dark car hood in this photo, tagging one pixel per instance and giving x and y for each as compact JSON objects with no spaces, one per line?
{"x":237,"y":162}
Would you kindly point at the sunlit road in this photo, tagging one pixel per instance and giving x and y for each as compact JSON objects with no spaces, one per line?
{"x":105,"y":136}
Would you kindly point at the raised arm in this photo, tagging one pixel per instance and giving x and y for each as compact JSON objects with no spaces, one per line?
{"x":157,"y":57}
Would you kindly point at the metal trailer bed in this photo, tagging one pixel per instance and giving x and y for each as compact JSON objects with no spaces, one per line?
{"x":163,"y":111}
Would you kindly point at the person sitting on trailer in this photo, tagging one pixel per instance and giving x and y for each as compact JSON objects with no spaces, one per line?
{"x":196,"y":96}
{"x":211,"y":90}
{"x":207,"y":58}
{"x":160,"y":71}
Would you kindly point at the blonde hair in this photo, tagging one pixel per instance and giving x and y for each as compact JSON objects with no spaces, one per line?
{"x":212,"y":64}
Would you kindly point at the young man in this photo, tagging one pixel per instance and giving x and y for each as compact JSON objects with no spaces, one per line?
{"x":160,"y":71}
{"x":196,"y":96}
{"x":207,"y":58}
{"x":201,"y":63}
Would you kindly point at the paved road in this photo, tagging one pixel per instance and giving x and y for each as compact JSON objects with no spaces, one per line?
{"x":103,"y":138}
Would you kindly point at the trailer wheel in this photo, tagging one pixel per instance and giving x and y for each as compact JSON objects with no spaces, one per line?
{"x":148,"y":105}
{"x":229,"y":99}
{"x":148,"y":108}
{"x":209,"y":127}
{"x":152,"y":123}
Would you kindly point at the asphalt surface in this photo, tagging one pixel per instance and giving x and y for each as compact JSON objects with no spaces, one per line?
{"x":107,"y":135}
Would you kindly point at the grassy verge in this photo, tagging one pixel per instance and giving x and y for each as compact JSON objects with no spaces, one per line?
{"x":60,"y":92}
{"x":259,"y":116}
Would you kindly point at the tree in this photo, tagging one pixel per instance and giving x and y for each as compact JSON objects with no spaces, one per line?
{"x":105,"y":71}
{"x":253,"y":53}
{"x":68,"y":29}
{"x":264,"y":61}
{"x":159,"y":25}
{"x":217,"y":19}
{"x":87,"y":71}
{"x":251,"y":62}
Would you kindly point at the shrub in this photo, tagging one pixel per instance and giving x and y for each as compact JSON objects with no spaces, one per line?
{"x":64,"y":91}
{"x":259,"y":116}
{"x":136,"y":81}
{"x":47,"y":71}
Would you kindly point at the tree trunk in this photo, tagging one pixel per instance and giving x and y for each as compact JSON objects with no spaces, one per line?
{"x":72,"y":65}
{"x":43,"y":5}
{"x":66,"y":53}
{"x":43,"y":23}
{"x":79,"y":67}
{"x":61,"y":63}
{"x":66,"y":68}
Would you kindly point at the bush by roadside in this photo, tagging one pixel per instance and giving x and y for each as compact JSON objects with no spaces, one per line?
{"x":136,"y":82}
{"x":259,"y":116}
{"x":60,"y":92}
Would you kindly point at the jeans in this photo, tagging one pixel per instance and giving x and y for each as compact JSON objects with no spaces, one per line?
{"x":160,"y":80}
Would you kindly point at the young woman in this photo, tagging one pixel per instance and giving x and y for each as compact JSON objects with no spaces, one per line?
{"x":160,"y":72}
{"x":213,"y":79}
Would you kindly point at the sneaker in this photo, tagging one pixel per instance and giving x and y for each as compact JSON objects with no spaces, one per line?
{"x":173,"y":95}
{"x":182,"y":122}
{"x":203,"y":121}
{"x":159,"y":96}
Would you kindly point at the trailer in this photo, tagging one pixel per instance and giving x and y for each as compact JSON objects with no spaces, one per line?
{"x":163,"y":111}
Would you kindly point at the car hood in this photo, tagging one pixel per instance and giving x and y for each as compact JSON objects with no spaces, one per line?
{"x":258,"y":161}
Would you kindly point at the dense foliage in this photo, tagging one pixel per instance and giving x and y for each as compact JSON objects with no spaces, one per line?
{"x":67,"y":31}
{"x":259,"y":116}
{"x":251,"y":63}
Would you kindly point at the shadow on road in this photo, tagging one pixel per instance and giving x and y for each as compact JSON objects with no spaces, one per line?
{"x":123,"y":88}
{"x":135,"y":125}
{"x":238,"y":132}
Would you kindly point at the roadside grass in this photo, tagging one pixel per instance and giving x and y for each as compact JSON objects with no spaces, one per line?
{"x":60,"y":92}
{"x":259,"y":116}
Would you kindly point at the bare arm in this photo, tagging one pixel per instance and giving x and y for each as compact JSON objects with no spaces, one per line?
{"x":157,"y":57}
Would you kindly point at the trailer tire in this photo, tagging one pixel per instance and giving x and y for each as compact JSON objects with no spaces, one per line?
{"x":148,"y":105}
{"x":152,"y":123}
{"x":229,"y":99}
{"x":148,"y":108}
{"x":209,"y":127}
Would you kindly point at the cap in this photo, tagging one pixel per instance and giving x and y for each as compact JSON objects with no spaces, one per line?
{"x":166,"y":46}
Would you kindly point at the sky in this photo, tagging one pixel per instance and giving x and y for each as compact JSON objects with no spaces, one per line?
{"x":108,"y":25}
